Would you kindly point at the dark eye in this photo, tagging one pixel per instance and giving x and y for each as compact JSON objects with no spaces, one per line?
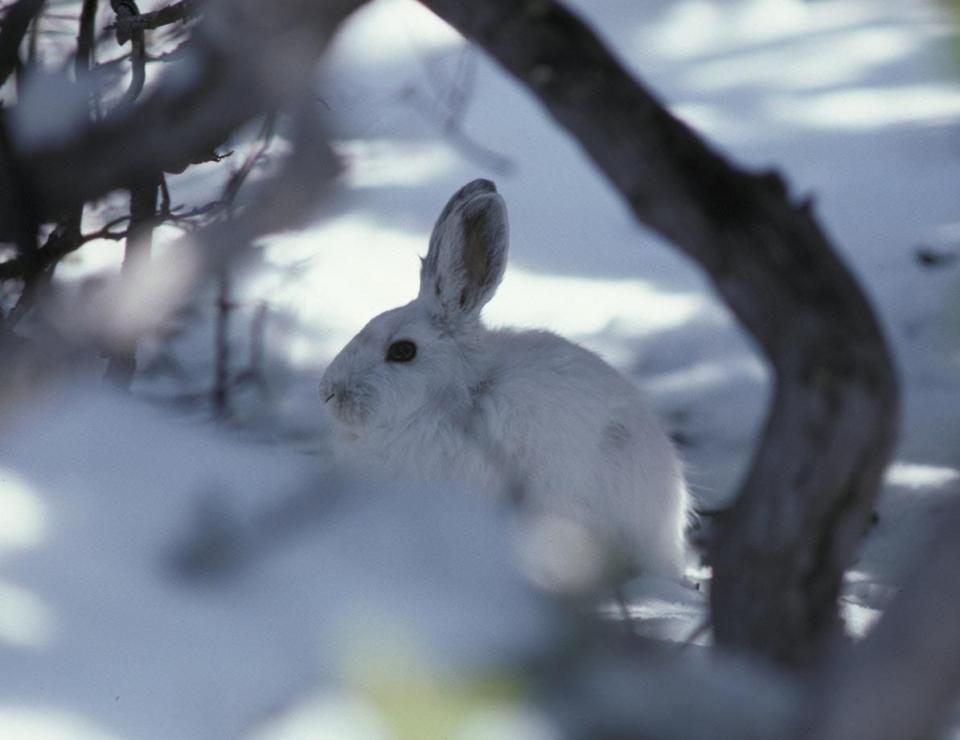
{"x":403,"y":350}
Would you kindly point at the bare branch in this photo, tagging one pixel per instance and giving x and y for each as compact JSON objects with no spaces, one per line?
{"x":18,"y":214}
{"x":284,"y":200}
{"x":106,"y":232}
{"x":36,"y":267}
{"x":127,"y":9}
{"x":220,"y":395}
{"x":243,"y":69}
{"x":444,"y":104}
{"x":238,"y":178}
{"x":143,"y":220}
{"x":56,"y":248}
{"x":127,"y":26}
{"x":85,"y":38}
{"x":16,"y":20}
{"x":779,"y":558}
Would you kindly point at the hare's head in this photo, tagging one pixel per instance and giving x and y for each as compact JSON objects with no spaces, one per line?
{"x":424,"y":357}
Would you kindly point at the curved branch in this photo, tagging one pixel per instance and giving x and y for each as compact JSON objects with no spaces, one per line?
{"x":779,"y":557}
{"x":126,"y":10}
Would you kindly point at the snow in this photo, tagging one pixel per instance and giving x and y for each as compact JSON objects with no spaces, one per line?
{"x":144,"y":597}
{"x":126,"y":606}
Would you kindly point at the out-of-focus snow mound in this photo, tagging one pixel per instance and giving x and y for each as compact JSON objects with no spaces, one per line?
{"x":161,"y":580}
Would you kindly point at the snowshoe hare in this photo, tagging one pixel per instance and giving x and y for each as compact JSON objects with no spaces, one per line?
{"x":426,"y":391}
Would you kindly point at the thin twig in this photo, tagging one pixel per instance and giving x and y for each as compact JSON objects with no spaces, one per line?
{"x":28,"y":295}
{"x":84,"y":60}
{"x":254,"y":371}
{"x":238,"y":178}
{"x":17,"y":210}
{"x":164,"y":197}
{"x":214,"y":209}
{"x":106,"y":232}
{"x":126,"y":9}
{"x":445,"y":104}
{"x":221,"y":381}
{"x":56,"y":249}
{"x":34,"y":38}
{"x":143,"y":199}
{"x":37,"y":271}
{"x":225,"y":306}
{"x":143,"y":214}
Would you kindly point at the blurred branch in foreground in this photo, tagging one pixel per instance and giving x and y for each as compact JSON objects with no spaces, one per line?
{"x":59,"y":154}
{"x":903,"y":680}
{"x":239,"y":68}
{"x":128,"y":25}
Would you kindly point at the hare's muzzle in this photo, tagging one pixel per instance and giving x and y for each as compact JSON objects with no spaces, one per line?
{"x":349,"y":404}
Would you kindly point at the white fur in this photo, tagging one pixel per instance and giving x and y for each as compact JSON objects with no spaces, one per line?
{"x":492,"y":410}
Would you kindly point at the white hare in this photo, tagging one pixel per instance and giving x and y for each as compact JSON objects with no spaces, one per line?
{"x":427,"y":391}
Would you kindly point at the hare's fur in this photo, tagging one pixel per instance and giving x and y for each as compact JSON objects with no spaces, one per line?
{"x":505,"y":411}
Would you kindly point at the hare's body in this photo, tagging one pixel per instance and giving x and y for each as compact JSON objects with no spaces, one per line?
{"x":505,"y":411}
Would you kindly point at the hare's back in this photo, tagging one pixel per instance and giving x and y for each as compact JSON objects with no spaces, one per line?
{"x":589,"y":444}
{"x":549,"y":376}
{"x":561,"y":407}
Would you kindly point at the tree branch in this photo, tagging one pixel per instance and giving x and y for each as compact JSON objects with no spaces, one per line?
{"x":18,"y":214}
{"x":127,"y":9}
{"x":779,"y":557}
{"x":85,"y":38}
{"x":243,"y":69}
{"x":16,"y":21}
{"x":220,"y":394}
{"x":143,"y":212}
{"x":129,"y":25}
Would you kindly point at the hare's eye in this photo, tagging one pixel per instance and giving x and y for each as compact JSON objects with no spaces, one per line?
{"x":403,"y":350}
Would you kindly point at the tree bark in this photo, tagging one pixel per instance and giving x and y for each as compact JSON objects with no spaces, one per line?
{"x":779,"y":557}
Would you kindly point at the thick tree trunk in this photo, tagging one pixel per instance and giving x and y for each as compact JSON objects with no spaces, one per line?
{"x":780,"y":555}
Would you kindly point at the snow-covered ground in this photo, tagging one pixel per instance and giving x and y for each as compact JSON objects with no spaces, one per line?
{"x":163,"y":578}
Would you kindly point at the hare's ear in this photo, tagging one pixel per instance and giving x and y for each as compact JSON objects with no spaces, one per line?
{"x":468,"y":251}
